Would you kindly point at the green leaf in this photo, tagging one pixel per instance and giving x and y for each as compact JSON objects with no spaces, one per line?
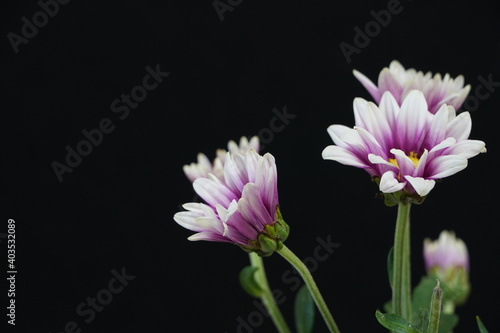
{"x":447,"y":322}
{"x":249,"y":283}
{"x":422,"y":320}
{"x":482,"y":328}
{"x":390,"y":265}
{"x":421,"y":300}
{"x":395,"y":323}
{"x":304,"y":311}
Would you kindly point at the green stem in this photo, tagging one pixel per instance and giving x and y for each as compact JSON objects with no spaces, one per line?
{"x":401,"y":297}
{"x":267,"y":295}
{"x":311,"y":285}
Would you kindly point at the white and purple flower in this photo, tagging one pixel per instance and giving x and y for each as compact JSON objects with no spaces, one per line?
{"x":447,"y":251}
{"x":204,"y":166}
{"x":404,"y":148}
{"x":447,"y":259}
{"x":241,"y":207}
{"x":399,"y":81}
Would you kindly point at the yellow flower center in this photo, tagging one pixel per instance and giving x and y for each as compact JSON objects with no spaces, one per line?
{"x":412,"y":156}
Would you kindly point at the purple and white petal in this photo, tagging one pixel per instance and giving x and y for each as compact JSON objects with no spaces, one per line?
{"x":344,"y":136}
{"x":422,"y":186}
{"x":368,"y":84}
{"x":343,"y":156}
{"x":266,"y":181}
{"x":388,"y":82}
{"x":209,"y":236}
{"x":400,"y":82}
{"x":389,"y":108}
{"x":437,"y":129}
{"x":252,"y":207}
{"x":213,"y":192}
{"x":467,"y":148}
{"x":460,"y":127}
{"x":446,"y":165}
{"x":235,"y":172}
{"x":411,"y":121}
{"x":389,"y":183}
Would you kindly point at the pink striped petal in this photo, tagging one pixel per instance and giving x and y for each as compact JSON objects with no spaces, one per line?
{"x":368,"y":84}
{"x":405,"y":164}
{"x":213,"y":192}
{"x":460,"y":127}
{"x":387,"y":82}
{"x":467,"y":148}
{"x":342,"y":155}
{"x":411,"y":121}
{"x":446,"y":165}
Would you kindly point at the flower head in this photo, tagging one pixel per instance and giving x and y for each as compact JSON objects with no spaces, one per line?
{"x":437,"y":90}
{"x":404,"y":148}
{"x":447,"y":259}
{"x":445,"y":252}
{"x":241,"y":207}
{"x":205,"y":167}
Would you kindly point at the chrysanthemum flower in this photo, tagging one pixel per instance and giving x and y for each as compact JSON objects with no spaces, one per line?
{"x":447,"y":259}
{"x":447,"y":251}
{"x":404,"y":148}
{"x":399,"y":81}
{"x":241,"y":208}
{"x":204,"y":166}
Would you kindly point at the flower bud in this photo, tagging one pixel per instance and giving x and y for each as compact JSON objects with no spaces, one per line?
{"x":447,"y":259}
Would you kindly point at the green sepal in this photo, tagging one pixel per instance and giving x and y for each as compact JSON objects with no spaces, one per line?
{"x":395,"y":198}
{"x":249,"y":283}
{"x":304,"y":311}
{"x":390,"y":199}
{"x":395,"y":323}
{"x":282,"y":230}
{"x":267,"y":245}
{"x":480,"y":325}
{"x":270,"y":239}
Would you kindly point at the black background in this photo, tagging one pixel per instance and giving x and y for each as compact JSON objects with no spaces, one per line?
{"x":115,"y":209}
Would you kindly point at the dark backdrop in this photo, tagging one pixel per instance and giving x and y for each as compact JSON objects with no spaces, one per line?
{"x":226,"y":75}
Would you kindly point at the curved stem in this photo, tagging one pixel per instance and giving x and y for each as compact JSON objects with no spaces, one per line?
{"x":401,"y":289}
{"x":267,"y":295}
{"x":311,"y":285}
